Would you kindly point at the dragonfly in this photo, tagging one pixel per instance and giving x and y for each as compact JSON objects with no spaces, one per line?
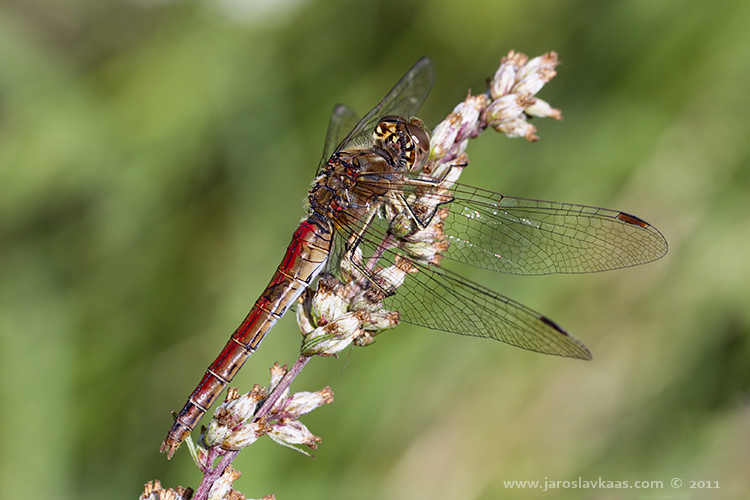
{"x":369,"y":174}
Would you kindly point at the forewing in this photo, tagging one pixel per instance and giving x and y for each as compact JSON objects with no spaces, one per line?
{"x":532,"y":237}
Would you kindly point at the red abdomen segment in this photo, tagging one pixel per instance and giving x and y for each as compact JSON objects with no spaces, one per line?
{"x":304,"y":259}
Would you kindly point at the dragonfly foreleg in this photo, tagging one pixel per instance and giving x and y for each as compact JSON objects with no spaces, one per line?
{"x":361,"y":274}
{"x":415,"y":212}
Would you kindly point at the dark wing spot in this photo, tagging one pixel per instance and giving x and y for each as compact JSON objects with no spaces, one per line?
{"x":554,"y":325}
{"x":632,"y":219}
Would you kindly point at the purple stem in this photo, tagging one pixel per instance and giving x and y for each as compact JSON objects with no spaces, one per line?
{"x":284,"y":384}
{"x":385,"y":244}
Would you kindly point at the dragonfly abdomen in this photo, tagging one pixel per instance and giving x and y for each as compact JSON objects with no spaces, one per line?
{"x":304,"y":259}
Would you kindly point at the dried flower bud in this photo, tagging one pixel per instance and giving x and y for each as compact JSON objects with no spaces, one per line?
{"x":244,"y":435}
{"x":301,"y":403}
{"x":542,"y":109}
{"x":222,"y":488}
{"x":277,"y":373}
{"x":154,"y":491}
{"x":393,"y":276}
{"x":505,"y":77}
{"x":534,"y":74}
{"x":518,"y":128}
{"x":429,"y":243}
{"x":444,"y":136}
{"x":461,"y":124}
{"x":327,"y":305}
{"x":332,"y":338}
{"x":232,"y":414}
{"x":304,"y":318}
{"x":506,"y":108}
{"x":376,"y":322}
{"x":215,"y":433}
{"x":292,"y":432}
{"x":469,"y":111}
{"x":243,"y":407}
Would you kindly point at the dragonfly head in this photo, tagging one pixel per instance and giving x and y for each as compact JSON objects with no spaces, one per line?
{"x":406,"y":141}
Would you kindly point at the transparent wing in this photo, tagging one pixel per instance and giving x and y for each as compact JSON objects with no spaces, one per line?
{"x":439,"y":299}
{"x":532,"y":237}
{"x":522,"y":236}
{"x":343,"y":120}
{"x":404,"y":99}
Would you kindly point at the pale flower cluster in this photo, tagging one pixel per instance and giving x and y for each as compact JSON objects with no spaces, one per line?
{"x":507,"y":104}
{"x":234,"y":427}
{"x":513,"y":88}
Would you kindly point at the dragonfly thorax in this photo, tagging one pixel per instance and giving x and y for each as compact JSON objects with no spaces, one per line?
{"x":352,"y":184}
{"x":355,"y":180}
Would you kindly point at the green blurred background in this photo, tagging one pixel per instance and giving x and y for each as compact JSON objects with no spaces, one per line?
{"x":154,"y":155}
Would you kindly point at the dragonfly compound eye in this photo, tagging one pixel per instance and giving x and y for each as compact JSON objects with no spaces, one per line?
{"x":419,"y":135}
